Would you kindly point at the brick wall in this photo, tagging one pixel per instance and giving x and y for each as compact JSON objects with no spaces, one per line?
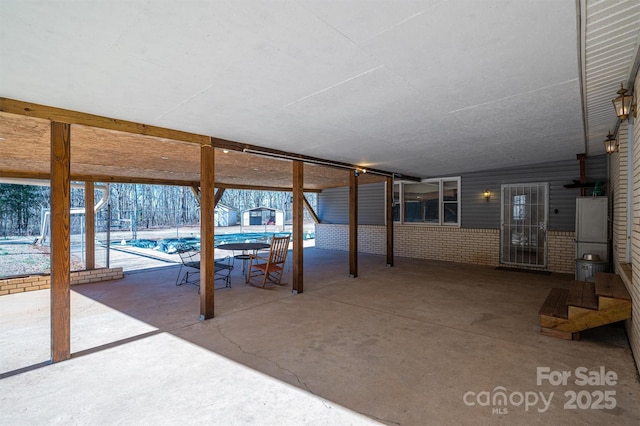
{"x":41,"y":282}
{"x":462,"y":245}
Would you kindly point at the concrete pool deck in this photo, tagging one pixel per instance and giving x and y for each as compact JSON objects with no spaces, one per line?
{"x":419,"y":343}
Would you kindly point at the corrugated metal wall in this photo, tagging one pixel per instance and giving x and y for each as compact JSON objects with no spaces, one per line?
{"x":478,"y":213}
{"x":333,"y":205}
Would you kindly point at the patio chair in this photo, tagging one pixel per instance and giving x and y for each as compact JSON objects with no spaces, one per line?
{"x":190,"y":258}
{"x":270,"y":267}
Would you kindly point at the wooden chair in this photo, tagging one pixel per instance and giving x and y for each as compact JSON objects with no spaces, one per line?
{"x":272,"y":266}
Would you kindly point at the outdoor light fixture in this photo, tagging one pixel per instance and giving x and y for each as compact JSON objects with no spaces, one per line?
{"x":487,"y":195}
{"x":359,"y":172}
{"x":610,"y":144}
{"x":623,"y":104}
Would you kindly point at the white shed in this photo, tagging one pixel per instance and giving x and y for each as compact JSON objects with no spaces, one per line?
{"x":225,"y":216}
{"x":263,"y":216}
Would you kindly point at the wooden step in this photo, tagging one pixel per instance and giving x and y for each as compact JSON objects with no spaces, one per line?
{"x":555,"y":304}
{"x":611,"y":285}
{"x":583,"y":295}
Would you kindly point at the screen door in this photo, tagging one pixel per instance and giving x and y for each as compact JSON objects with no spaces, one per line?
{"x":523,"y":231}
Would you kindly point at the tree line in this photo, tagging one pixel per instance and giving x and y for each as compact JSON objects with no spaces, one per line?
{"x":134,"y":206}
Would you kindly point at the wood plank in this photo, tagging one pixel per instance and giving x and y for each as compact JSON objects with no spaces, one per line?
{"x":589,"y":298}
{"x":90,"y":225}
{"x":389,"y":220}
{"x":60,"y":241}
{"x":619,"y":289}
{"x":575,"y":294}
{"x":218,"y":196}
{"x":562,"y":309}
{"x":75,"y":117}
{"x":265,"y":188}
{"x":195,"y":190}
{"x":603,"y":284}
{"x":555,"y":305}
{"x":559,"y":334}
{"x":298,"y":228}
{"x":353,"y":225}
{"x":582,"y":294}
{"x":207,"y":207}
{"x":313,"y":214}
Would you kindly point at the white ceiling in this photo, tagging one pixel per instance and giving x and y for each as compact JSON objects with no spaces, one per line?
{"x":423,"y":88}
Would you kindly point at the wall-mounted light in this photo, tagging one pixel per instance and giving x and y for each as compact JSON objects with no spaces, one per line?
{"x":610,"y":144}
{"x":487,"y":195}
{"x":358,"y":172}
{"x":623,"y":104}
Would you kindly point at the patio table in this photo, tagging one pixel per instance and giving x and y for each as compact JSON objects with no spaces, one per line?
{"x":244,"y":247}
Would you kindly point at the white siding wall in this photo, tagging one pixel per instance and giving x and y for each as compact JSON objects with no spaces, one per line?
{"x":633,"y":325}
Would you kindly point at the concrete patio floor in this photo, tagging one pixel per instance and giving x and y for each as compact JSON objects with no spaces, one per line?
{"x":420,"y":343}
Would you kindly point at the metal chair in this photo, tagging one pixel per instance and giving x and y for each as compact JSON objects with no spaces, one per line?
{"x":190,"y":258}
{"x":272,"y":266}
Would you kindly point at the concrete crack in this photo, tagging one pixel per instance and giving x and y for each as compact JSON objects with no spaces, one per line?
{"x":293,"y":373}
{"x":381,"y":419}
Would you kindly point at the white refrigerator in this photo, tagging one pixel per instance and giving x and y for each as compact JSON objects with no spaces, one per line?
{"x":591,"y":227}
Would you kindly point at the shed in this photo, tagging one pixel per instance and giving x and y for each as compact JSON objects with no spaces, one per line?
{"x":263,"y":216}
{"x":224,"y":215}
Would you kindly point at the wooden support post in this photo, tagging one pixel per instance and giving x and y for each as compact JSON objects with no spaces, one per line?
{"x":207,"y":206}
{"x":60,"y":241}
{"x":298,"y":222}
{"x":353,"y":224}
{"x":389,"y":221}
{"x":90,"y":226}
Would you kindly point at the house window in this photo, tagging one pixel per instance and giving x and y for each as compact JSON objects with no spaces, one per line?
{"x":433,"y":201}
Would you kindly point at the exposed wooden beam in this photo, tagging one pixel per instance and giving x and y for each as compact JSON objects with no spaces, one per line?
{"x":258,"y":150}
{"x":145,"y":181}
{"x":60,"y":241}
{"x":196,"y":192}
{"x":98,"y":178}
{"x":298,"y":229}
{"x":90,"y":225}
{"x":263,"y":188}
{"x":219,"y":194}
{"x":313,"y":214}
{"x":207,"y":207}
{"x":74,"y":117}
{"x":353,"y":225}
{"x":389,"y":220}
{"x":138,"y":180}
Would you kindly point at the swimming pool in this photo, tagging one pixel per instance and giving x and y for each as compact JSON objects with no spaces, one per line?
{"x":170,"y":245}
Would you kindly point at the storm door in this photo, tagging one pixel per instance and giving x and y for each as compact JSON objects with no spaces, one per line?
{"x":523,"y":231}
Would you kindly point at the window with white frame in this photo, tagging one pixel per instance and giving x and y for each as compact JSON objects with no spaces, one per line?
{"x":432,"y":201}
